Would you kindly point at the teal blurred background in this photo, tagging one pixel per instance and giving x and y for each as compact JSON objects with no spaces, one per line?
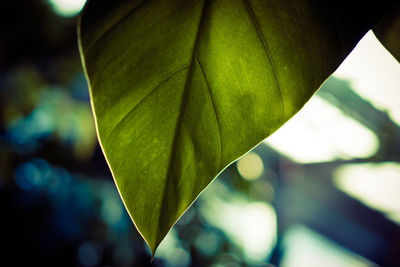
{"x":322,"y":191}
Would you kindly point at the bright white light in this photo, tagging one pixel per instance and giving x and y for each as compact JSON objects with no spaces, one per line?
{"x":250,"y":166}
{"x":67,"y":8}
{"x":321,"y":132}
{"x":374,"y":75}
{"x":258,"y":233}
{"x":376,"y":185}
{"x":305,"y":248}
{"x":250,"y":226}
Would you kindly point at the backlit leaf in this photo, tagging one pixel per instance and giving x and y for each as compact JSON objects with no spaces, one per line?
{"x":182,"y":88}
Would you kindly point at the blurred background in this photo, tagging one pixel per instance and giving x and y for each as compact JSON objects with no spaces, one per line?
{"x":324,"y":190}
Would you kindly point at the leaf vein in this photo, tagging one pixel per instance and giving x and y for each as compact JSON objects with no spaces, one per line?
{"x":215,"y":112}
{"x":113,"y":26}
{"x":261,"y":36}
{"x":148,"y":94}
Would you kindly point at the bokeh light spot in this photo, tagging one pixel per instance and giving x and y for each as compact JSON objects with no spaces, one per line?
{"x":89,"y":254}
{"x":33,"y":175}
{"x":262,"y":190}
{"x":250,"y":166}
{"x":27,"y":176}
{"x":111,"y":210}
{"x":67,"y":8}
{"x":207,"y":243}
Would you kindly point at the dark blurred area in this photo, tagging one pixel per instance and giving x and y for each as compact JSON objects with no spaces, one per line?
{"x":60,"y":207}
{"x":58,"y":202}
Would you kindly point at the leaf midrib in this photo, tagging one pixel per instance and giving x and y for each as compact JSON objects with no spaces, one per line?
{"x":178,"y":126}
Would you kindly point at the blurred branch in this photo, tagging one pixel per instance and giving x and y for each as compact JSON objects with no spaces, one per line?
{"x":340,"y":94}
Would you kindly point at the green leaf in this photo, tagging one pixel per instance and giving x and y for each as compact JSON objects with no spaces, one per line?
{"x":180,"y":89}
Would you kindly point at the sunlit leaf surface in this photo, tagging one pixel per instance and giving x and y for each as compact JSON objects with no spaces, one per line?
{"x":180,"y":89}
